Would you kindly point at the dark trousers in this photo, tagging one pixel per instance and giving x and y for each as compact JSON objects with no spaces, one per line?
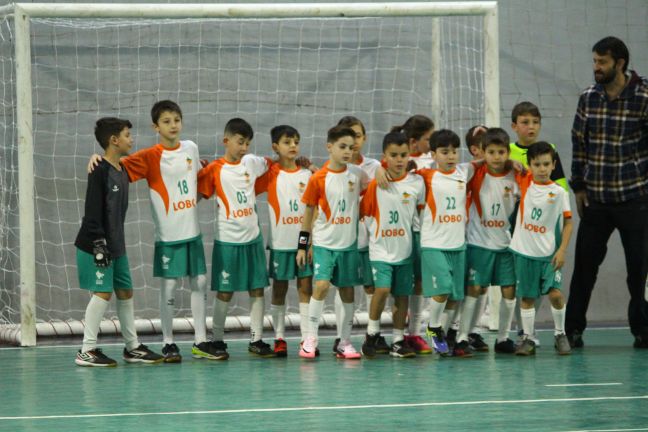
{"x":594,"y":231}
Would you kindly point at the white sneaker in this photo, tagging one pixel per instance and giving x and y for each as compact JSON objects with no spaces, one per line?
{"x":346,"y":351}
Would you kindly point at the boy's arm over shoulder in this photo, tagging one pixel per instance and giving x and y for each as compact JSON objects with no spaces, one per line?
{"x":140,"y":164}
{"x":259,"y":165}
{"x":368,"y":202}
{"x":207,"y":177}
{"x":95,"y":202}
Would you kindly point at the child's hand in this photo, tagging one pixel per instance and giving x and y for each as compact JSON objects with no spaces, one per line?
{"x":382,"y":178}
{"x":516,"y":166}
{"x":204,"y":162}
{"x":94,"y":161}
{"x":558,"y":260}
{"x":301,"y":258}
{"x":310,"y":255}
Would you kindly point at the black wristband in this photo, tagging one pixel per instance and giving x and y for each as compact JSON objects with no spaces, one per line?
{"x":304,"y":237}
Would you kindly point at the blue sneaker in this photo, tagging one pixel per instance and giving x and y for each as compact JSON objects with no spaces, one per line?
{"x":437,"y":340}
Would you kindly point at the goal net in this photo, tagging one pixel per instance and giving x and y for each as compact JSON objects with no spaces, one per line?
{"x":303,"y":65}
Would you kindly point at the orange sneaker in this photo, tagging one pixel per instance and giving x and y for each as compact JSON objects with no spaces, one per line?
{"x":418,"y":344}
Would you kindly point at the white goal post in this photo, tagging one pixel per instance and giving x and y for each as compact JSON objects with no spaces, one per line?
{"x":25,"y":332}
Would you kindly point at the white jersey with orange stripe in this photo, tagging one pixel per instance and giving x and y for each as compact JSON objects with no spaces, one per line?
{"x":540,"y":219}
{"x":172,"y":175}
{"x":237,"y":221}
{"x":443,"y":220}
{"x":422,"y":160}
{"x":493,"y":199}
{"x":369,"y":166}
{"x":285,"y":189}
{"x":336,"y":195}
{"x":389,"y":214}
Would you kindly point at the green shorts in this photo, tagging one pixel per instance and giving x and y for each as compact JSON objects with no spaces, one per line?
{"x":179,"y":259}
{"x":534,"y":277}
{"x":444,"y":273}
{"x":103,"y":279}
{"x":486,"y":267}
{"x":238,"y":268}
{"x":365,"y":268}
{"x":283,"y":266}
{"x":416,"y":255}
{"x":341,"y":268}
{"x":398,"y":277}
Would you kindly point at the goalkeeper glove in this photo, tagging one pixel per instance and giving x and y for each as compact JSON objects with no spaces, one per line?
{"x":101,"y":253}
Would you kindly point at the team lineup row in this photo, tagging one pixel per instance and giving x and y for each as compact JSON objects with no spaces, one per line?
{"x":353,"y":221}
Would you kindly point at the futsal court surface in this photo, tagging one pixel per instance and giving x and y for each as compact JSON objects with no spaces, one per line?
{"x":601,"y":388}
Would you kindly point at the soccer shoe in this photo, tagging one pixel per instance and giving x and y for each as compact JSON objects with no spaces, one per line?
{"x":210,"y":350}
{"x":575,"y":339}
{"x":369,"y":346}
{"x":437,"y":340}
{"x":335,"y":345}
{"x":280,"y":348}
{"x":418,"y":344}
{"x":451,"y":338}
{"x":462,"y":349}
{"x":94,"y":358}
{"x":171,"y":353}
{"x":261,"y":349}
{"x":561,"y":343}
{"x":317,"y":353}
{"x":381,"y":345}
{"x":142,"y":354}
{"x":402,"y":349}
{"x":308,"y":348}
{"x":347,"y":351}
{"x":505,"y":347}
{"x":533,"y":337}
{"x":477,"y":343}
{"x":526,"y":348}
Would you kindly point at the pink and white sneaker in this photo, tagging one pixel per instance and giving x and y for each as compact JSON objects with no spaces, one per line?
{"x":308,"y":348}
{"x":346,"y":351}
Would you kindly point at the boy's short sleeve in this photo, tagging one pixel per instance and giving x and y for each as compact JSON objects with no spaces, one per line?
{"x":312,"y":194}
{"x":368,"y":202}
{"x":137,"y":164}
{"x":206,"y":180}
{"x":567,"y":214}
{"x":257,"y":164}
{"x":420,"y":196}
{"x":262,"y":183}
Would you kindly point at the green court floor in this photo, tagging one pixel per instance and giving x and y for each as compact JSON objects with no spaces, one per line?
{"x":603,"y":387}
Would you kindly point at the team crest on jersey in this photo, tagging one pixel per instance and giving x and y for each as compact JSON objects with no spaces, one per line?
{"x":247,"y":177}
{"x":461,"y":185}
{"x":189,"y":163}
{"x":552,"y":198}
{"x":406,"y":197}
{"x":351,"y":186}
{"x":508,"y":190}
{"x":302,"y":187}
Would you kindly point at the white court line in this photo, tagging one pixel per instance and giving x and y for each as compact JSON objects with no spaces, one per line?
{"x":583,"y":384}
{"x":325,"y":408}
{"x":608,"y":430}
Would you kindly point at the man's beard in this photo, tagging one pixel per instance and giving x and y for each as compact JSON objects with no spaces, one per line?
{"x":605,"y":78}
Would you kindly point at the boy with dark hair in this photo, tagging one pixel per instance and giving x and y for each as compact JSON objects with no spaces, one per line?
{"x":101,"y":249}
{"x":390,"y":214}
{"x":335,"y":192}
{"x":285,"y":183}
{"x":543,"y":228}
{"x":238,"y":259}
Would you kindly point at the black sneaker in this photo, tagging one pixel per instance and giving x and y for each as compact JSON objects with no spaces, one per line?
{"x":575,"y":339}
{"x":216,"y":350}
{"x":142,"y":354}
{"x":335,"y":345}
{"x":462,"y":349}
{"x":401,"y":349}
{"x":94,"y":358}
{"x":261,"y":349}
{"x":171,"y":353}
{"x":451,"y":338}
{"x":369,"y":346}
{"x":505,"y":347}
{"x":477,"y":343}
{"x":641,"y":341}
{"x":381,"y":345}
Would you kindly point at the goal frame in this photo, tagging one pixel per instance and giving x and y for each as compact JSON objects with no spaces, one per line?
{"x":26,"y":332}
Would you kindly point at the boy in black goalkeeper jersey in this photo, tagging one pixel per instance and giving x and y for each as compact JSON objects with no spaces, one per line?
{"x":101,"y":250}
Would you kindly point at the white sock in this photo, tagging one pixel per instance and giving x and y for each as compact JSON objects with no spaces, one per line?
{"x":369,"y":297}
{"x":480,"y":308}
{"x":94,"y":313}
{"x":338,"y":314}
{"x":126,"y":315}
{"x":303,"y":321}
{"x":507,"y":307}
{"x":468,"y":310}
{"x":218,"y":319}
{"x":315,"y":308}
{"x":397,"y":335}
{"x":436,"y":311}
{"x":528,"y":320}
{"x":518,"y":316}
{"x":278,"y":313}
{"x":373,"y":327}
{"x":559,"y":320}
{"x":256,"y":318}
{"x":199,"y":307}
{"x":447,"y":317}
{"x":454,"y":324}
{"x":416,"y":315}
{"x":167,"y":308}
{"x":347,"y":321}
